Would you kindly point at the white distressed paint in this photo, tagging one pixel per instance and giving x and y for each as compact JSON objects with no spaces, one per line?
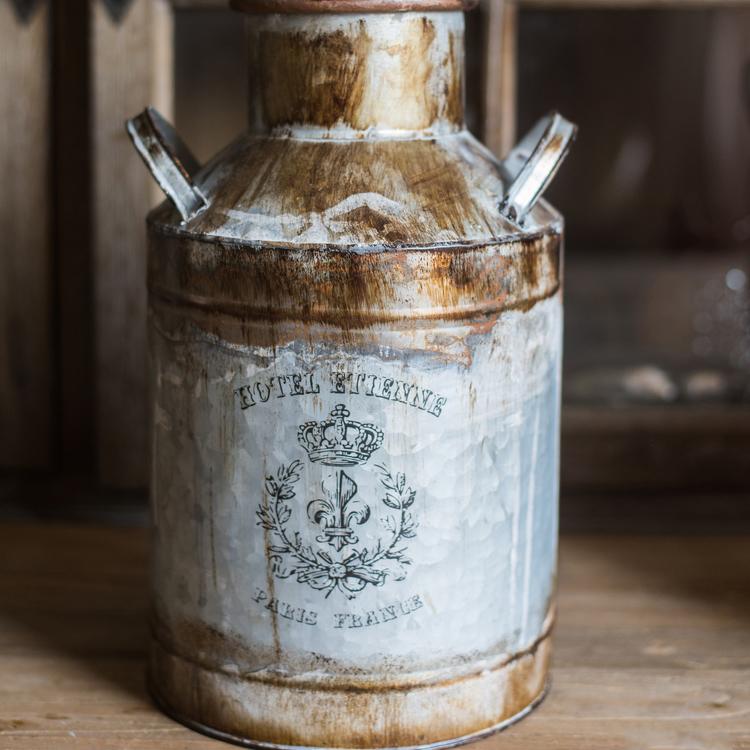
{"x":300,"y":588}
{"x":468,"y":468}
{"x":264,"y":217}
{"x":528,"y":559}
{"x":389,"y":100}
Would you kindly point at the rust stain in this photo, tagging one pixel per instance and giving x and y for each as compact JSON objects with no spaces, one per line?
{"x":526,"y":682}
{"x":354,"y":291}
{"x":535,"y":268}
{"x":554,"y":144}
{"x":341,"y":713}
{"x":453,"y":94}
{"x":202,"y":644}
{"x":208,"y":648}
{"x":350,"y":6}
{"x":376,"y":225}
{"x":317,"y":78}
{"x":333,"y":78}
{"x":411,"y":189}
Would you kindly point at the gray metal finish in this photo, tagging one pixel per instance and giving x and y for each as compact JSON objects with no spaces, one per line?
{"x":356,"y":391}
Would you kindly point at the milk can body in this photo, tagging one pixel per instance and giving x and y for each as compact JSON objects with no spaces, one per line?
{"x":355,"y":350}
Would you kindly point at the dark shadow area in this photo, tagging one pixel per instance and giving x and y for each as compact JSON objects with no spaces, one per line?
{"x":655,"y":513}
{"x":28,"y":497}
{"x":78,"y":593}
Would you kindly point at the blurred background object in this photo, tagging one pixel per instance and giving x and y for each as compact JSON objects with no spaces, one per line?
{"x":656,"y":198}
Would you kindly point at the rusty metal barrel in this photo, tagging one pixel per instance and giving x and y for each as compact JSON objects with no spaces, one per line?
{"x":355,"y":332}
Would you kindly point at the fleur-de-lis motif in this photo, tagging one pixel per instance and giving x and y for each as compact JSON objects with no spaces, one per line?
{"x":343,"y":567}
{"x":339,"y":512}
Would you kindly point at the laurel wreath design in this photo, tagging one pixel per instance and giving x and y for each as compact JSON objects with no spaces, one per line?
{"x":352,"y":570}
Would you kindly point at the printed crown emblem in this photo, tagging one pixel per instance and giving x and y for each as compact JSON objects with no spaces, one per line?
{"x":338,"y":441}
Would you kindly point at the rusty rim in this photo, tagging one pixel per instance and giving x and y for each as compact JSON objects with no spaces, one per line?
{"x":350,"y":6}
{"x":196,"y":726}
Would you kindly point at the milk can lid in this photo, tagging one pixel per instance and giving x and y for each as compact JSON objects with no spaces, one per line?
{"x":350,"y":6}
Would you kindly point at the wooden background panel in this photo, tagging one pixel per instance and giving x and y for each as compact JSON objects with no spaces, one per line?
{"x":700,"y":448}
{"x":73,"y":248}
{"x":498,"y":93}
{"x":131,"y":68}
{"x":26,"y":422}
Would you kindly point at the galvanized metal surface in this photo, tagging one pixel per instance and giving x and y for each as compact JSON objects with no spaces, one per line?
{"x":169,"y":160}
{"x":356,"y":367}
{"x":349,"y":6}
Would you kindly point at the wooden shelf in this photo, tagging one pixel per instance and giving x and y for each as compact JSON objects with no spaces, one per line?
{"x":660,"y":447}
{"x":652,"y":647}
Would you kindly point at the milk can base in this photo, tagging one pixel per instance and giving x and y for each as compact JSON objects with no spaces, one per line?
{"x":473,"y":720}
{"x":217,"y":734}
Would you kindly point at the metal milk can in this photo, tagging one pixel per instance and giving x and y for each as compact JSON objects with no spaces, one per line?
{"x":355,"y":335}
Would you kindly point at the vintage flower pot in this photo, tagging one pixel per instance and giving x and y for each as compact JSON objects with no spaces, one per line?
{"x":355,"y":327}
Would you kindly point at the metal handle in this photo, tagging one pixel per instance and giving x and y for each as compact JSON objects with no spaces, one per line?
{"x":531,"y":165}
{"x":169,"y":160}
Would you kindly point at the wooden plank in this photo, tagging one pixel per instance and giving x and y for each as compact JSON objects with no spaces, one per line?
{"x":695,"y":447}
{"x":652,"y":648}
{"x":26,"y":358}
{"x":131,"y":67}
{"x":73,"y":241}
{"x":499,"y":106}
{"x":655,"y":512}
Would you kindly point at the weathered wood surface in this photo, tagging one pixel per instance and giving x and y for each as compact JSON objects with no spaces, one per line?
{"x":131,"y":67}
{"x":652,"y":648}
{"x":499,"y":75}
{"x":26,"y":376}
{"x":74,"y":317}
{"x":664,"y":448}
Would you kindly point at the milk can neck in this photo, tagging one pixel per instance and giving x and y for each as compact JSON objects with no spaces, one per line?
{"x":353,"y":76}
